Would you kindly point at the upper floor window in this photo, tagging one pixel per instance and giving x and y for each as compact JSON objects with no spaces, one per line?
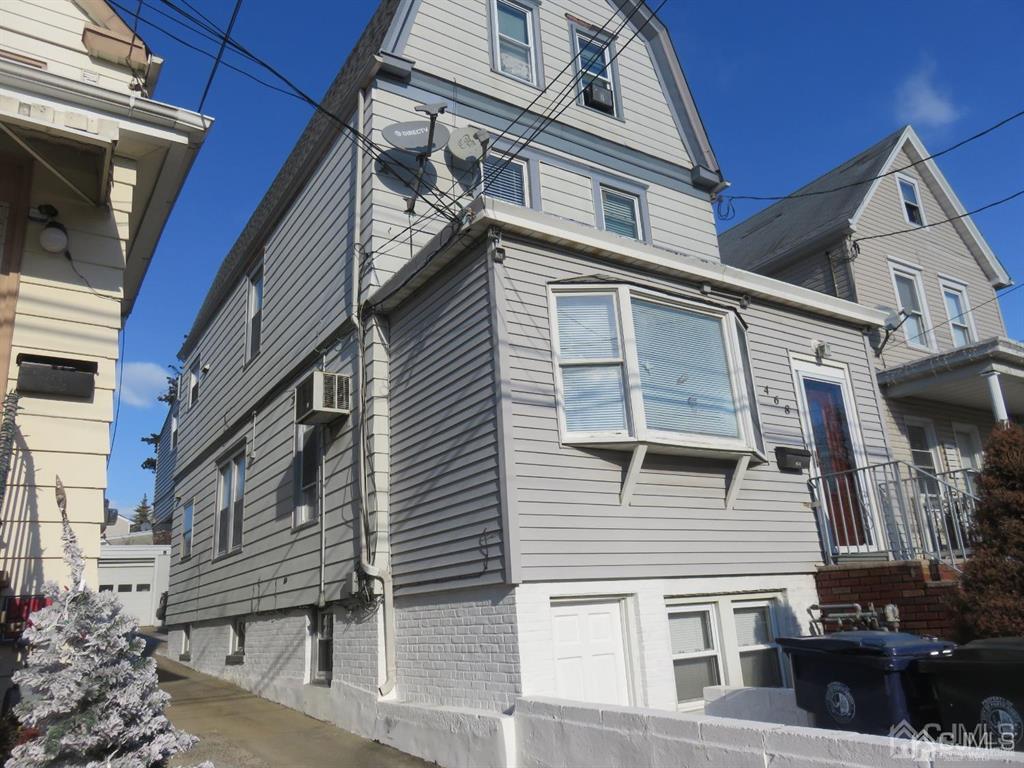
{"x":186,"y":530}
{"x":597,"y":82}
{"x":958,"y":311}
{"x":195,"y":376}
{"x":621,"y":213}
{"x":514,"y":40}
{"x":506,"y":180}
{"x":230,"y":502}
{"x":255,"y":313}
{"x":636,"y":367}
{"x":912,"y":208}
{"x":307,"y":474}
{"x":174,"y":432}
{"x":910,"y":297}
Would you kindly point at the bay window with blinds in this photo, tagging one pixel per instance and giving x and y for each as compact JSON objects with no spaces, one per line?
{"x":636,"y":367}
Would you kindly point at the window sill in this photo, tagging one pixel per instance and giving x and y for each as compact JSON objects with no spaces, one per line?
{"x":515,"y":79}
{"x":725,"y":452}
{"x":320,"y":683}
{"x":303,"y":526}
{"x":226,"y":555}
{"x":251,"y":361}
{"x":184,"y":657}
{"x":234,"y":659}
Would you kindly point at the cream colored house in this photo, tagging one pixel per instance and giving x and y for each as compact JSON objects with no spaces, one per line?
{"x":90,"y":167}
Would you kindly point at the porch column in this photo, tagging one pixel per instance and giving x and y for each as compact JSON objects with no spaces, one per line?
{"x":995,"y":392}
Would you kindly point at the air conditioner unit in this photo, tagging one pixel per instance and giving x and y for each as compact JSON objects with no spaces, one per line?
{"x":323,"y":397}
{"x":599,"y":96}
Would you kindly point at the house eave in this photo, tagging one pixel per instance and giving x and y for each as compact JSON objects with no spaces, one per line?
{"x":485,"y":212}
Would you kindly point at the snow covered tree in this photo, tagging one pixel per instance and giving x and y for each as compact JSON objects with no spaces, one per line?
{"x":87,"y":688}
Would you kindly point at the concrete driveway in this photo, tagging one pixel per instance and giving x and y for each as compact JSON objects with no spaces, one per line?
{"x":239,"y":730}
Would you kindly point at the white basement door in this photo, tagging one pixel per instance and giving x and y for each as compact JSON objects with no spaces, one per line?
{"x":590,"y":658}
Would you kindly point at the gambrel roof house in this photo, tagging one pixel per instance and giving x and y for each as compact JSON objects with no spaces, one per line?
{"x":887,"y":230}
{"x":534,"y":439}
{"x":90,"y":167}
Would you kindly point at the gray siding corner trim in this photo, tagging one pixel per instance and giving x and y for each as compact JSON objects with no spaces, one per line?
{"x":503,"y":396}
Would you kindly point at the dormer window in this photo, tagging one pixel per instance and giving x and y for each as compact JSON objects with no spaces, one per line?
{"x":597,"y":82}
{"x":911,"y":200}
{"x":514,"y":40}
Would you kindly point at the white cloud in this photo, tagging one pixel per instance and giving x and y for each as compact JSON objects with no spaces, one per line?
{"x":141,"y":383}
{"x":920,"y":102}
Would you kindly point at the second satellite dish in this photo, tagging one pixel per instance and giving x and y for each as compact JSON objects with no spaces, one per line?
{"x":467,"y":145}
{"x":413,"y":135}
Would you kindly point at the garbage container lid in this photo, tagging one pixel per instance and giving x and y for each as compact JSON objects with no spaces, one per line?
{"x":993,"y":649}
{"x":871,"y":642}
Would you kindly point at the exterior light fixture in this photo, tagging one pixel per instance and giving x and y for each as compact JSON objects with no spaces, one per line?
{"x":54,"y":237}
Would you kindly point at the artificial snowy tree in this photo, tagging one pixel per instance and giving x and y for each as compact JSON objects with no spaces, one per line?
{"x":88,"y":690}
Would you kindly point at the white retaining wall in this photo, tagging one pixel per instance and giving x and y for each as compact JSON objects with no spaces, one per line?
{"x":551,"y":733}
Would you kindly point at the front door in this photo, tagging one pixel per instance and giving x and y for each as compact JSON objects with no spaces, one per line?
{"x":590,"y":652}
{"x":829,"y":421}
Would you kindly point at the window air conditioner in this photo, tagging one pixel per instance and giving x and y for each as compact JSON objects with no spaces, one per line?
{"x":323,"y":397}
{"x":599,"y":96}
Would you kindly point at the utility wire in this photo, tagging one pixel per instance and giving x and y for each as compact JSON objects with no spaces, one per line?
{"x":220,"y":54}
{"x":944,"y":221}
{"x":997,"y":297}
{"x":830,"y":190}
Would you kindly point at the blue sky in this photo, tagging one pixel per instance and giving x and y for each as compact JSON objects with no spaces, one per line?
{"x":787,"y":90}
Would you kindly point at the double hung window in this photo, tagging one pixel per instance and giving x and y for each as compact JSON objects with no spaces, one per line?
{"x":230,"y":502}
{"x":515,"y":50}
{"x":911,"y":200}
{"x":910,"y":297}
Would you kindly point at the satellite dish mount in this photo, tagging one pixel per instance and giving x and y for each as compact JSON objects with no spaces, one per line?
{"x":432,"y":110}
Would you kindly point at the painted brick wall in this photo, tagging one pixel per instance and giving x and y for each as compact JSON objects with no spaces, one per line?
{"x":459,"y":648}
{"x":355,"y":649}
{"x":921,"y":595}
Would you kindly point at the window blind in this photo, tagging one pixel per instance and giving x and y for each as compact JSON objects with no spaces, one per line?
{"x":684,"y":371}
{"x":690,"y":632}
{"x":752,"y":626}
{"x":594,"y":398}
{"x":506,"y":184}
{"x":587,"y":327}
{"x":620,"y":212}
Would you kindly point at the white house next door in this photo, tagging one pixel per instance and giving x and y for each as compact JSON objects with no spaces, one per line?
{"x":589,"y":652}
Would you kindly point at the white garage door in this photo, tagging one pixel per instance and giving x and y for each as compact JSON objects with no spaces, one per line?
{"x":133,"y":585}
{"x":590,"y":657}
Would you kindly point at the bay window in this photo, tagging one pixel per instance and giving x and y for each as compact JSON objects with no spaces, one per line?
{"x":636,"y":367}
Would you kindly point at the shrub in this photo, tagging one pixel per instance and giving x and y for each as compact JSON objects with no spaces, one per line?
{"x":991,"y":603}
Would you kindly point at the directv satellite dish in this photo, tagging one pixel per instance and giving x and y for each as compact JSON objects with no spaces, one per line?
{"x":397,"y":171}
{"x":413,"y":136}
{"x":467,"y":145}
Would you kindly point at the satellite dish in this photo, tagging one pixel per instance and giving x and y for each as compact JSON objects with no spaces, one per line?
{"x":467,"y":144}
{"x":412,"y":136}
{"x":397,"y":170}
{"x":894,"y":320}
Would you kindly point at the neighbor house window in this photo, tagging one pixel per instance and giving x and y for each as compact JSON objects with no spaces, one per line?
{"x":255,"y":319}
{"x":237,"y":641}
{"x":760,"y":660}
{"x":515,"y":47}
{"x":307,"y":473}
{"x":679,"y":382}
{"x":696,"y":658}
{"x":195,"y":375}
{"x":620,"y":213}
{"x":174,"y":432}
{"x":230,"y":495}
{"x":505,"y":179}
{"x":186,"y":530}
{"x":910,"y":298}
{"x":911,"y":200}
{"x":595,"y":75}
{"x":958,"y":310}
{"x":323,"y":646}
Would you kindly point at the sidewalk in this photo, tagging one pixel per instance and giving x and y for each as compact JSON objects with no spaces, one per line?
{"x":240,"y":730}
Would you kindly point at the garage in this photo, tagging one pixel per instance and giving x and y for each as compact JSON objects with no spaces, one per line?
{"x":137,"y":574}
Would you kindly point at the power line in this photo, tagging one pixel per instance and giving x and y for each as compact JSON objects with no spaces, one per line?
{"x":830,"y":190}
{"x":944,"y":221}
{"x":997,"y":297}
{"x":220,"y":54}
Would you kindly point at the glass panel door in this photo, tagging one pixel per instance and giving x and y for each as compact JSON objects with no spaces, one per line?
{"x":833,"y":448}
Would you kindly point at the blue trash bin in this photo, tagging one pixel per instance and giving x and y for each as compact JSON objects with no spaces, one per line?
{"x":864,"y":681}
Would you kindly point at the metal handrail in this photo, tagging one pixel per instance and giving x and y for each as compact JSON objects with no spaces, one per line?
{"x":896,"y":510}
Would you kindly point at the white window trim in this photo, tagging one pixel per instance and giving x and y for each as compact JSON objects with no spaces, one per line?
{"x":723,"y":625}
{"x":314,"y":658}
{"x":236,"y":646}
{"x":522,"y":163}
{"x":192,"y":528}
{"x":250,"y":308}
{"x":611,"y":73}
{"x":914,"y":273}
{"x":903,"y":201}
{"x":967,"y":318}
{"x":186,"y":639}
{"x":638,"y":210}
{"x":931,"y":435}
{"x":532,"y":28}
{"x":174,"y":432}
{"x":712,"y":610}
{"x":637,"y":432}
{"x":231,"y":461}
{"x":772,"y":604}
{"x":297,"y":479}
{"x":962,"y":427}
{"x":195,"y":381}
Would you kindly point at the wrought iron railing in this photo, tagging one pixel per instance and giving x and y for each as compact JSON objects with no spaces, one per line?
{"x":894,"y":510}
{"x":965,"y":480}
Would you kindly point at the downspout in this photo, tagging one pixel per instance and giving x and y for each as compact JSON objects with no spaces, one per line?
{"x":366,"y":564}
{"x":321,"y":600}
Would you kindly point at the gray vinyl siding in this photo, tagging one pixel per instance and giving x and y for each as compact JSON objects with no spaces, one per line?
{"x":567,"y":498}
{"x":163,"y":481}
{"x":446,"y":526}
{"x":278,"y":566}
{"x":936,"y":250}
{"x":451,"y":39}
{"x":815,"y":271}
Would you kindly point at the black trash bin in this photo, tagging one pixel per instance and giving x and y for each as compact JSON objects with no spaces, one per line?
{"x":980,"y":692}
{"x":863,"y":681}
